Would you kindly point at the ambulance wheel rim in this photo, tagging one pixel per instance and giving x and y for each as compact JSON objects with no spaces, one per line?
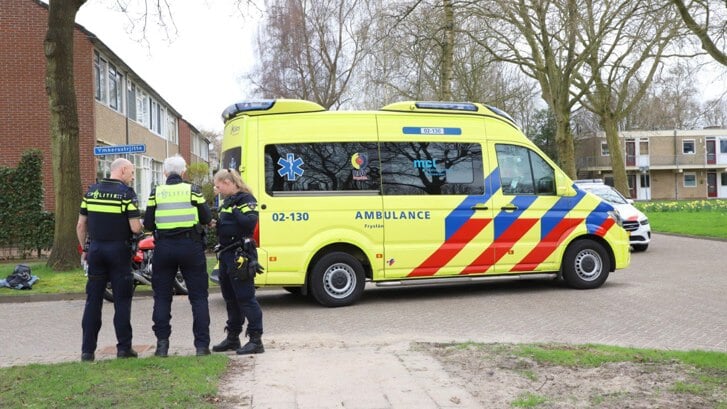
{"x":588,"y":265}
{"x":339,"y":280}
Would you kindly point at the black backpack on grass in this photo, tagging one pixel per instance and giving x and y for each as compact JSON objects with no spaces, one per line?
{"x":20,"y":278}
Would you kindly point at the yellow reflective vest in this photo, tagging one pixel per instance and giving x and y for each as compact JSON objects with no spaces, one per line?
{"x":175,"y":206}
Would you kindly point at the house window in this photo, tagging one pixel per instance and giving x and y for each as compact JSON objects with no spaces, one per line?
{"x":688,"y":147}
{"x":157,"y":173}
{"x":643,"y":147}
{"x":723,"y":178}
{"x":171,"y":130}
{"x":690,"y":180}
{"x":645,"y":181}
{"x":200,"y":147}
{"x":604,"y":149}
{"x":131,"y":101}
{"x":114,"y":82}
{"x":101,"y":90}
{"x":722,"y":145}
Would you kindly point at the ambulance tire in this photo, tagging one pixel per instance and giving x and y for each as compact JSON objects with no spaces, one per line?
{"x":337,"y":279}
{"x":585,"y":265}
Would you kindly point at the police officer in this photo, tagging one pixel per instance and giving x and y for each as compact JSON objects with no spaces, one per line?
{"x":237,"y":219}
{"x":108,"y":219}
{"x":176,"y":212}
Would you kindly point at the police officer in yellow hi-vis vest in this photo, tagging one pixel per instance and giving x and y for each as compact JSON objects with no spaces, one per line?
{"x":176,"y":212}
{"x":108,"y":218}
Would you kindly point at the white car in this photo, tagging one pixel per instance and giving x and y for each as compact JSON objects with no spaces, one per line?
{"x":634,"y":221}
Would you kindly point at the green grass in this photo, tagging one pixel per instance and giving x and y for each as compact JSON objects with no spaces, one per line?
{"x":49,"y":282}
{"x":590,"y":355}
{"x":702,"y":224}
{"x":528,"y":400}
{"x":703,"y":218}
{"x":183,"y":382}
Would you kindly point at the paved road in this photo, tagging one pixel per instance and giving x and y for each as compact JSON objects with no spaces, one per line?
{"x":673,"y":296}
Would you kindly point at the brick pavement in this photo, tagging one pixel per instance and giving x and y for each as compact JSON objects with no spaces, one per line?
{"x":671,"y":297}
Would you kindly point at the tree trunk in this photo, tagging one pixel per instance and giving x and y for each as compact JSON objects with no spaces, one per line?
{"x":64,"y":130}
{"x":564,"y":143}
{"x":447,"y":52}
{"x":618,"y":167}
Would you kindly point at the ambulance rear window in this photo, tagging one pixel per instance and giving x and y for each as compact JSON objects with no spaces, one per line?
{"x":322,"y":168}
{"x":432,"y":168}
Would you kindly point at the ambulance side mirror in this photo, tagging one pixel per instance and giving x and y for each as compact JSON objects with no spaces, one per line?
{"x":563,"y":185}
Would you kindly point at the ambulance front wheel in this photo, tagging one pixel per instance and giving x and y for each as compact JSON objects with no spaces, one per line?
{"x":586,"y":265}
{"x":337,"y":279}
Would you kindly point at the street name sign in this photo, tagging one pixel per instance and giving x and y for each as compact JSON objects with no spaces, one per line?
{"x":118,"y":149}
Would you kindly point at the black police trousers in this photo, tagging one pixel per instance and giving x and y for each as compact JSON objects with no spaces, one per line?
{"x":108,"y":261}
{"x":183,"y":254}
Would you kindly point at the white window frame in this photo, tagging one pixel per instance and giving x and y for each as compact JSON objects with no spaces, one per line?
{"x":691,"y":175}
{"x":604,"y":149}
{"x":694,"y":147}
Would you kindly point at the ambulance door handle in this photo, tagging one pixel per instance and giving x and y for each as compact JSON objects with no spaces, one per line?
{"x":509,"y":208}
{"x":479,"y":207}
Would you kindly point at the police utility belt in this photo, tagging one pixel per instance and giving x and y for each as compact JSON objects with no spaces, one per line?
{"x":190,"y":233}
{"x":245,"y":265}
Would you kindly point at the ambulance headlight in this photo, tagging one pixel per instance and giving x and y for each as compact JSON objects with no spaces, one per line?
{"x":616,"y":216}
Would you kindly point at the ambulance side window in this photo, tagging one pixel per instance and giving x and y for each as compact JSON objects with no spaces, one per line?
{"x":431,"y":168}
{"x":523,"y":171}
{"x":306,"y":168}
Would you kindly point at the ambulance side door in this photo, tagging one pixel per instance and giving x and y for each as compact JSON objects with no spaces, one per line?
{"x":525,"y":209}
{"x":433,"y":187}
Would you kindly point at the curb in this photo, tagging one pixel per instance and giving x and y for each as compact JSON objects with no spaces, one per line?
{"x":72,"y":296}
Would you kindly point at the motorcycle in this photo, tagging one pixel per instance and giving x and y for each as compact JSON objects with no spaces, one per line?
{"x":141,"y":265}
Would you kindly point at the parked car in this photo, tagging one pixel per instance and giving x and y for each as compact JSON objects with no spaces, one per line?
{"x":634,"y":221}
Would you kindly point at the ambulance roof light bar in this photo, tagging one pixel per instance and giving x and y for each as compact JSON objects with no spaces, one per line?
{"x":452,"y":106}
{"x":500,"y":112}
{"x":246,"y":106}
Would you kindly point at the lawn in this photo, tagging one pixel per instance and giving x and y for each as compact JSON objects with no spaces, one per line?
{"x":703,"y":218}
{"x":185,"y":382}
{"x":51,"y":282}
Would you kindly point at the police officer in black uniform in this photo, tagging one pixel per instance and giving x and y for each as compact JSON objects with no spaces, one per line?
{"x":237,"y":220}
{"x":176,"y":212}
{"x":108,"y":219}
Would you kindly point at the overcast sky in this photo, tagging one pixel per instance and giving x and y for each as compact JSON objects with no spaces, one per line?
{"x":200,"y":70}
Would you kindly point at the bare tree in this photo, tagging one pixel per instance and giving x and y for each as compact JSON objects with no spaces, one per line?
{"x":707,"y":19}
{"x":421,"y":53}
{"x":626,"y":41}
{"x":541,"y":39}
{"x":671,"y":102}
{"x":715,"y":113}
{"x":311,"y":49}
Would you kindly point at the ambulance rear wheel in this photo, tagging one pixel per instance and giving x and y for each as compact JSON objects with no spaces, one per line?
{"x":337,"y":279}
{"x":585,"y":265}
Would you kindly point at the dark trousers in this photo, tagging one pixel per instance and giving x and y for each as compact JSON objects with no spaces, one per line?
{"x":239,"y":297}
{"x":108,"y":261}
{"x":185,"y":255}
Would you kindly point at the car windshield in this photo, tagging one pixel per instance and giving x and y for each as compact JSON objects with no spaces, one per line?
{"x":606,"y":193}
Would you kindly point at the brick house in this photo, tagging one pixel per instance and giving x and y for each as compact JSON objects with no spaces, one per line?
{"x":673,"y":164}
{"x":115,"y":105}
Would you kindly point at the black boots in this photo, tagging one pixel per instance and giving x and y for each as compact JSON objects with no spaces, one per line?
{"x":126,"y":353}
{"x":162,"y":348}
{"x":231,"y":343}
{"x":254,"y":346}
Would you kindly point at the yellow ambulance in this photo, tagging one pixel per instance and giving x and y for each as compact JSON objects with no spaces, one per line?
{"x":414,"y":193}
